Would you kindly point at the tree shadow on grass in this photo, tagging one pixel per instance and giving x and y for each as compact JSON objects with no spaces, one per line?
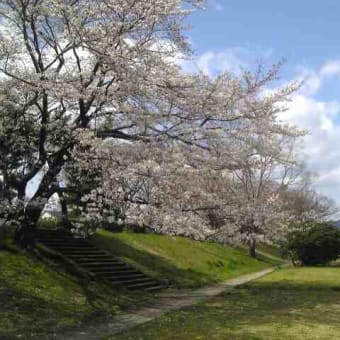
{"x":29,"y":317}
{"x":285,"y":302}
{"x":262,"y":311}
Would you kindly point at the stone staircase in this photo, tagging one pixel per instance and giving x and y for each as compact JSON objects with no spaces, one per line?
{"x":96,"y":262}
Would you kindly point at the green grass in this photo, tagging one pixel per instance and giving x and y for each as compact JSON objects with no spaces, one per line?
{"x":294,"y":303}
{"x":186,"y":263}
{"x":36,"y":300}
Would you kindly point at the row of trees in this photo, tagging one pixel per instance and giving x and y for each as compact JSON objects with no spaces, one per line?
{"x":91,"y":98}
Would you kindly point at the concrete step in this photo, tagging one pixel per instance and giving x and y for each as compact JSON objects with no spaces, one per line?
{"x":80,"y":252}
{"x":101,"y":263}
{"x":50,"y":240}
{"x":103,"y":266}
{"x":56,"y":234}
{"x":69,"y":242}
{"x":141,"y":285}
{"x":123,"y":271}
{"x":137,"y":281}
{"x":73,"y":248}
{"x":96,"y":257}
{"x":155,"y":288}
{"x":108,"y":270}
{"x":51,"y":231}
{"x":122,"y":276}
{"x":97,"y":260}
{"x":113,"y":271}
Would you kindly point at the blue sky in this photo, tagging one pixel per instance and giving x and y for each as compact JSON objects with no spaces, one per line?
{"x":233,"y":33}
{"x":304,"y":32}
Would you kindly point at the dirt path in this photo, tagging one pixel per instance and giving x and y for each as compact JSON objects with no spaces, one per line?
{"x":163,"y":302}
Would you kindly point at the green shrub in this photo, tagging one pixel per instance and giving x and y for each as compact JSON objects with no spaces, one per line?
{"x":316,"y":243}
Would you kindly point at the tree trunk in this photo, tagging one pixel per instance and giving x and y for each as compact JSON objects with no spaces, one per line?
{"x":25,"y":233}
{"x":252,"y":247}
{"x":64,"y":211}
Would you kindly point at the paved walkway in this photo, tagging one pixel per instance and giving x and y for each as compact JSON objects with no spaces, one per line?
{"x":164,"y":302}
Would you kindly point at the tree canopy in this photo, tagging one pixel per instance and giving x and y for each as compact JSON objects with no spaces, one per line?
{"x":91,"y":92}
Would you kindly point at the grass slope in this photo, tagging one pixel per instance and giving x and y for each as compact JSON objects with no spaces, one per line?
{"x":185,"y":262}
{"x":294,"y":303}
{"x":35,"y":300}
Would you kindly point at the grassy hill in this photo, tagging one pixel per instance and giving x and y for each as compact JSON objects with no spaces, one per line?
{"x":36,"y":299}
{"x":186,"y":263}
{"x":39,"y":298}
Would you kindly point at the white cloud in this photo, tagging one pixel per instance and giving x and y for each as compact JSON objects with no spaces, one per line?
{"x":321,"y":118}
{"x":213,"y":63}
{"x":330,"y":69}
{"x":312,"y":81}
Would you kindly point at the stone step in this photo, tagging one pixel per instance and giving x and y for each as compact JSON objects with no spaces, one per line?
{"x":97,"y":260}
{"x":137,"y":281}
{"x":122,"y":276}
{"x":103,"y":266}
{"x":51,"y":231}
{"x":109,"y":271}
{"x":67,"y":244}
{"x":123,"y":271}
{"x":53,"y":234}
{"x":58,"y":240}
{"x":96,"y":257}
{"x":141,"y":285}
{"x":155,"y":288}
{"x":101,"y":263}
{"x":80,"y":252}
{"x":55,"y":237}
{"x":66,"y":247}
{"x":70,"y":242}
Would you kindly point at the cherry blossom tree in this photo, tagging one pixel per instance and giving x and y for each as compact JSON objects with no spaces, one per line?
{"x":227,"y":185}
{"x":93,"y":88}
{"x":305,"y":204}
{"x":257,"y":186}
{"x":99,"y":65}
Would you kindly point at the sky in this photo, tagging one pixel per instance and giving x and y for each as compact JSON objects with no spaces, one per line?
{"x":230,"y":34}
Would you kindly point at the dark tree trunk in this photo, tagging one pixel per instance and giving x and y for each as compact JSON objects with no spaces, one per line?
{"x":64,"y":211}
{"x":252,"y":247}
{"x":25,"y":233}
